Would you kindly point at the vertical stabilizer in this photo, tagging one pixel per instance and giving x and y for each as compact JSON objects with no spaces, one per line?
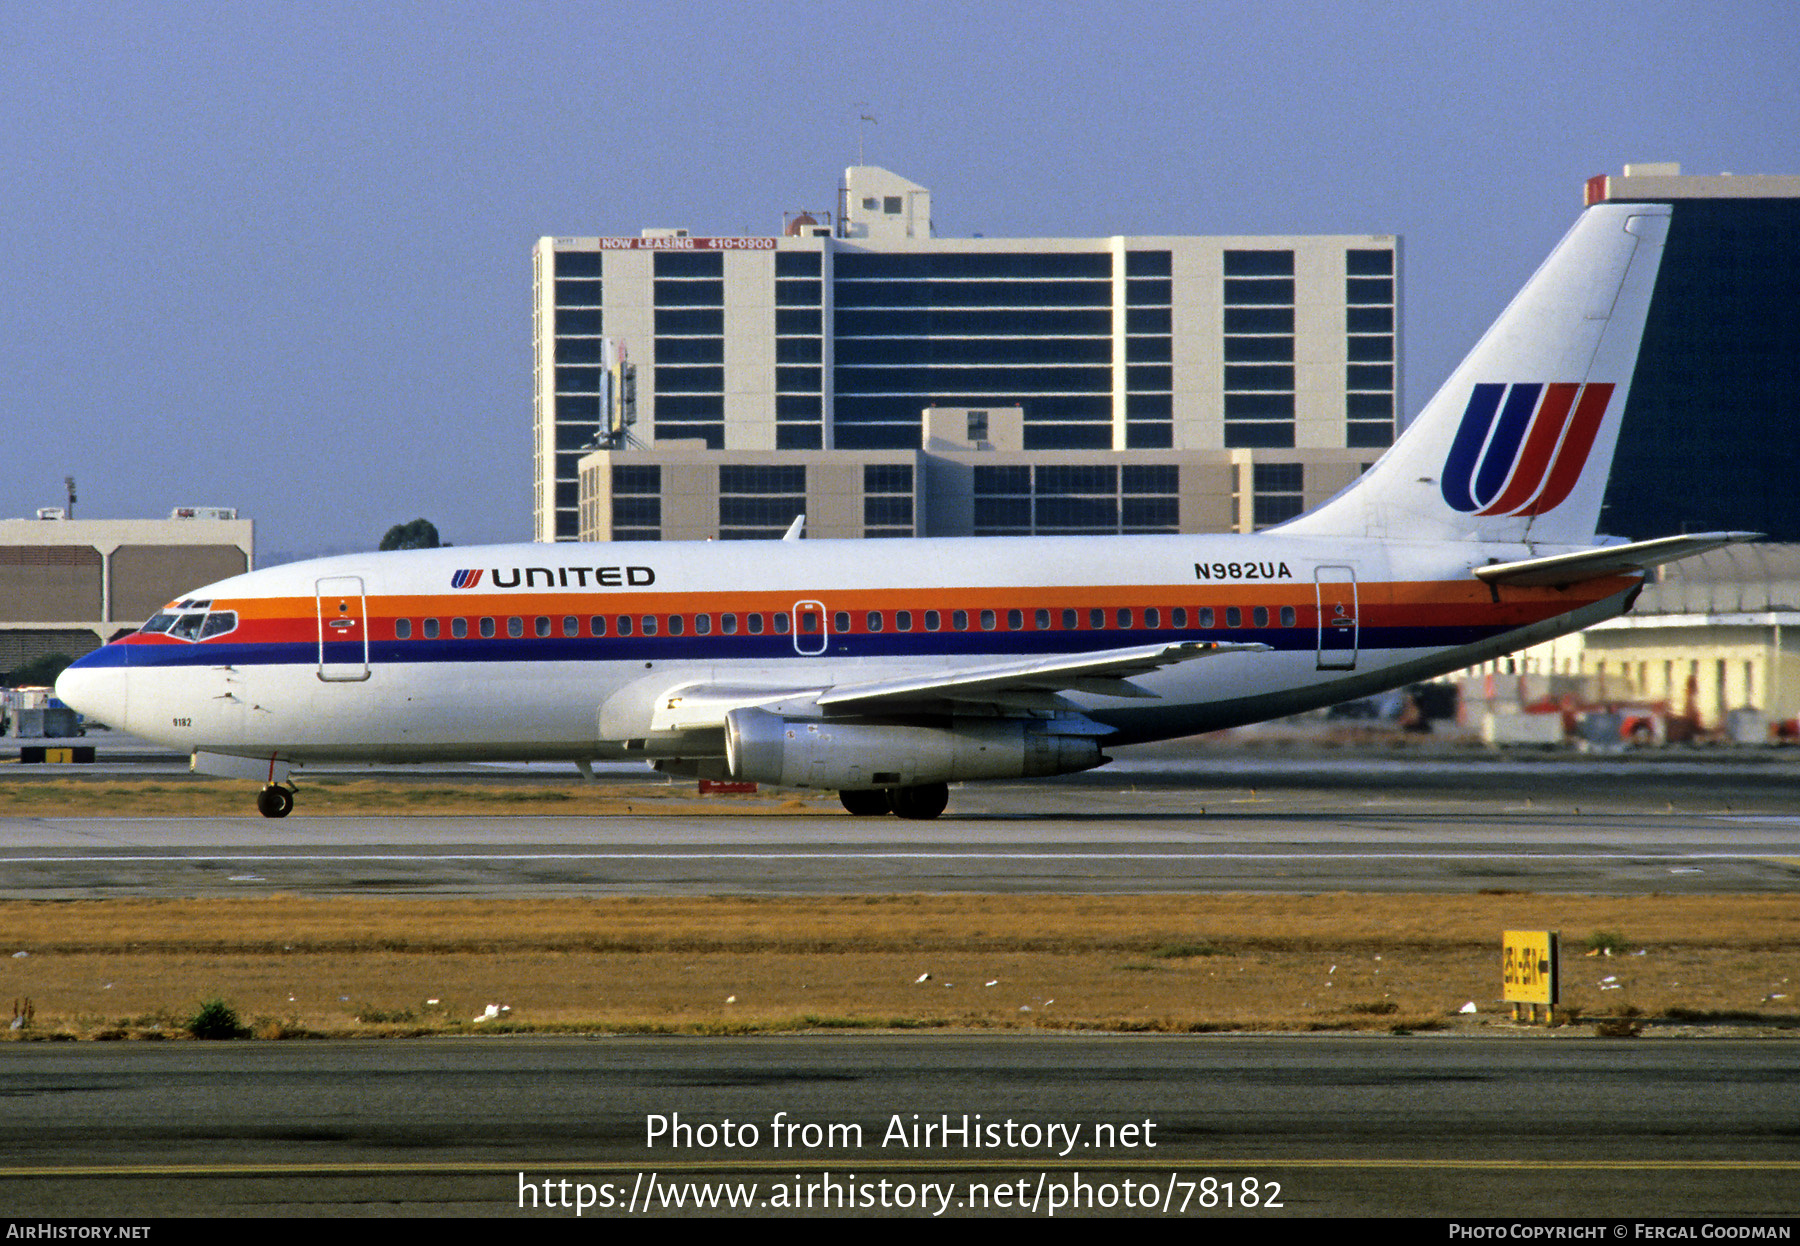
{"x":1518,"y":444}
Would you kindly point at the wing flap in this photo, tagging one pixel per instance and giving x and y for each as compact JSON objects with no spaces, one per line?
{"x":1107,"y":674}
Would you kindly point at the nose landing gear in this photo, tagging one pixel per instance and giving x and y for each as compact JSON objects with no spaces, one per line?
{"x":275,"y":801}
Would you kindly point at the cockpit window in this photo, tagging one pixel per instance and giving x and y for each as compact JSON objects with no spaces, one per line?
{"x":190,"y":620}
{"x":218,"y":623}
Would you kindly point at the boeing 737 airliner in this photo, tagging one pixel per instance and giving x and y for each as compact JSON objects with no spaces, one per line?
{"x":887,"y":671}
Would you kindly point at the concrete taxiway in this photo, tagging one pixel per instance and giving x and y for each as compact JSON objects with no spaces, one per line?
{"x":1161,"y":820}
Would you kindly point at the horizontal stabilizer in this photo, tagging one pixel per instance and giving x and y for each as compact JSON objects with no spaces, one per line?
{"x":1107,"y":674}
{"x":1593,"y":564}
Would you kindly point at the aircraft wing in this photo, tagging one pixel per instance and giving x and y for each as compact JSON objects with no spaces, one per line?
{"x":1592,"y":564}
{"x":1026,"y":682}
{"x":1030,"y":684}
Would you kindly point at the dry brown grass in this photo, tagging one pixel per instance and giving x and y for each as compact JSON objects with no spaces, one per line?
{"x":1173,"y":963}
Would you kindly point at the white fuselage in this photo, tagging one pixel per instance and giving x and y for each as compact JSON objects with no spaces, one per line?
{"x":331,"y":660}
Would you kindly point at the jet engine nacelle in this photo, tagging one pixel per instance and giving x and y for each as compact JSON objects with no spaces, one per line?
{"x":763,"y":747}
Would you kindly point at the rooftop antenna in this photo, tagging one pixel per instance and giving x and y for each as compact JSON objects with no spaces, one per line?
{"x":859,"y":130}
{"x":69,"y":483}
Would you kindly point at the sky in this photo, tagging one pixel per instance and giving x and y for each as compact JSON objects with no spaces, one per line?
{"x":278,"y":256}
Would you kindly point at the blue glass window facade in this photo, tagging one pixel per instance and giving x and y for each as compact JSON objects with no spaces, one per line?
{"x":1369,"y":388}
{"x":992,"y":329}
{"x":799,"y":350}
{"x":1708,"y":438}
{"x":1259,"y":349}
{"x":1076,"y":499}
{"x":688,"y":292}
{"x":636,"y":502}
{"x":759,"y":503}
{"x":577,"y":353}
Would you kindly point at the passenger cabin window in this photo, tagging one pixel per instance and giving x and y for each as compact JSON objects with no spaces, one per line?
{"x":903,"y":620}
{"x":597,"y":625}
{"x":1096,"y":620}
{"x":933,"y":621}
{"x":624,"y":625}
{"x":840,"y":622}
{"x":649,"y":624}
{"x":703,"y":625}
{"x":676,"y":624}
{"x":571,"y":625}
{"x":728,"y":624}
{"x":756,"y":624}
{"x":1260,"y":616}
{"x":1234,"y":617}
{"x":487,"y":628}
{"x":872,"y":621}
{"x":430,"y":629}
{"x":515,"y":627}
{"x":402,"y":629}
{"x":1206,"y":616}
{"x":1287,"y":616}
{"x":781,"y":622}
{"x":459,"y":628}
{"x":1071,"y":621}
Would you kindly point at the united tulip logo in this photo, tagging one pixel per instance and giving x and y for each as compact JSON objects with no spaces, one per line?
{"x":465,"y":579}
{"x":1520,"y":448}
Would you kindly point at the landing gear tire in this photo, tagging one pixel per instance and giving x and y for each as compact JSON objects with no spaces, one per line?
{"x":864,"y":804}
{"x":274,"y":802}
{"x":921,"y":803}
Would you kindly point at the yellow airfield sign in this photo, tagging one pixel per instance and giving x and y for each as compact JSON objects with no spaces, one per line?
{"x":1528,"y":960}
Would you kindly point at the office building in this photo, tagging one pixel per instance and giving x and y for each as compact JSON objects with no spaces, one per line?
{"x":1711,"y":438}
{"x":891,"y":382}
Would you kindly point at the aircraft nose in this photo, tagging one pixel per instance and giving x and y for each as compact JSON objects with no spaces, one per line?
{"x":95,"y":686}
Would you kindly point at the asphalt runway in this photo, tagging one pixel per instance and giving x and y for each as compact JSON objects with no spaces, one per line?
{"x":1435,"y":1126}
{"x":1319,"y":1127}
{"x":1161,"y":820}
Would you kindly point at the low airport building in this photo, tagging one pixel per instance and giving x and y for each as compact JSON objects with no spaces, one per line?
{"x":886,"y":381}
{"x":70,"y":585}
{"x":1714,"y":641}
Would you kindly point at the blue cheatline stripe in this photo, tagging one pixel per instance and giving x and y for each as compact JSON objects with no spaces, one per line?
{"x":1471,"y":435}
{"x":992,"y":646}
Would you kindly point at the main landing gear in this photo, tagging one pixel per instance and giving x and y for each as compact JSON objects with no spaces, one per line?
{"x":275,"y":801}
{"x":921,"y":803}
